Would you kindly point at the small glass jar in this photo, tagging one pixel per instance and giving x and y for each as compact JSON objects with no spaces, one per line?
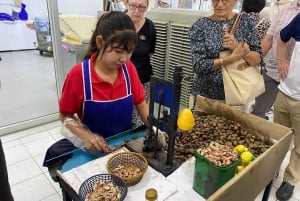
{"x":151,"y":194}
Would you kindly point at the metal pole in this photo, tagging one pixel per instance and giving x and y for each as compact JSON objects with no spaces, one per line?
{"x":56,"y":43}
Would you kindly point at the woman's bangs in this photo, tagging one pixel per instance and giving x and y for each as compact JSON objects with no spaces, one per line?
{"x":126,"y":40}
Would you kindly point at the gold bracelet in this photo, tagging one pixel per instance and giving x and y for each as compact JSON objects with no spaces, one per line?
{"x":221,"y":61}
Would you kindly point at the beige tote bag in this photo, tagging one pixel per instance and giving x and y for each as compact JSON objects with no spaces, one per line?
{"x":242,"y":83}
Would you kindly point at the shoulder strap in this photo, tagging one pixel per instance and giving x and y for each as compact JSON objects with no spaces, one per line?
{"x":235,"y":24}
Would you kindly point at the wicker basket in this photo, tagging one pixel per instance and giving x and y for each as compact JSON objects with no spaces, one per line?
{"x":128,"y":159}
{"x":88,"y":185}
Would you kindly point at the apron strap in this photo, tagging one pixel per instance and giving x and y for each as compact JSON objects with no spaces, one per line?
{"x":86,"y":80}
{"x":127,"y":80}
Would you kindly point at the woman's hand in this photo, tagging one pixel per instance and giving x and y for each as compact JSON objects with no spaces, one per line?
{"x":283,"y":65}
{"x":92,"y":141}
{"x":229,"y":41}
{"x":241,"y":51}
{"x":95,"y":143}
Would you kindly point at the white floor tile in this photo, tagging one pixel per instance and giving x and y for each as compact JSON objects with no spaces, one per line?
{"x":39,"y":146}
{"x":54,"y":197}
{"x":22,"y":171}
{"x":34,"y":137}
{"x":16,"y":154}
{"x":297,"y":192}
{"x":11,"y":143}
{"x":54,"y":184}
{"x":39,"y":161}
{"x":34,"y":189}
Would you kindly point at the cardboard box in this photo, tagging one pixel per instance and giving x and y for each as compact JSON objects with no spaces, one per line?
{"x":256,"y":176}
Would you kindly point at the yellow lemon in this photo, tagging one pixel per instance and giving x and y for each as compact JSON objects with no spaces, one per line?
{"x":240,"y":148}
{"x":246,"y":157}
{"x":239,"y":168}
{"x":186,"y":120}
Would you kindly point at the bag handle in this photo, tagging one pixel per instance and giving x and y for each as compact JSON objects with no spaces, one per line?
{"x":235,"y":24}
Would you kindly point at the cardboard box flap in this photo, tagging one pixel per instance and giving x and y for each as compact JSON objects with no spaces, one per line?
{"x":256,"y":176}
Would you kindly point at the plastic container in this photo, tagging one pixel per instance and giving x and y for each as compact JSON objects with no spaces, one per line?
{"x":41,"y":24}
{"x":23,"y":15}
{"x":151,"y":194}
{"x":209,"y":177}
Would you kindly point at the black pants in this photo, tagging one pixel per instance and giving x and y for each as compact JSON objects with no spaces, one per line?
{"x":5,"y":192}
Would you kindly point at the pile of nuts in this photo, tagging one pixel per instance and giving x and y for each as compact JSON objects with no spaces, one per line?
{"x":220,"y":155}
{"x":104,"y":191}
{"x":127,"y":172}
{"x":213,"y":128}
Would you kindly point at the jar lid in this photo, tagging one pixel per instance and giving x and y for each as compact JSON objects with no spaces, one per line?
{"x":151,"y":194}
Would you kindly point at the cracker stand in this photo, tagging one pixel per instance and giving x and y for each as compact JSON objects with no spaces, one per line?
{"x":178,"y":184}
{"x":76,"y":30}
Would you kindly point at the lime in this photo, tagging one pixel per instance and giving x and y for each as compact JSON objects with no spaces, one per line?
{"x":239,"y":168}
{"x":240,"y":148}
{"x":246,"y":157}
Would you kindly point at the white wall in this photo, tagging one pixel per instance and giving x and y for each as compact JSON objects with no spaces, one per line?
{"x":80,"y":7}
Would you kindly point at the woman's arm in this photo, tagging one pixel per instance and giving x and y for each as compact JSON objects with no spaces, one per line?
{"x":143,"y":110}
{"x":252,"y":58}
{"x":283,"y":63}
{"x":92,"y":142}
{"x":202,"y":60}
{"x":266,"y":44}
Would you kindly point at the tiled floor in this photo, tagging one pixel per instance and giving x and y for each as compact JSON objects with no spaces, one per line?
{"x":30,"y":181}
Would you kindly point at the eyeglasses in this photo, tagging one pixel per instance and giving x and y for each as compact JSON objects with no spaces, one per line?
{"x":139,"y":7}
{"x":216,"y":2}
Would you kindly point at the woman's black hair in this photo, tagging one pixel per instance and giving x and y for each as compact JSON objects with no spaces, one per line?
{"x":253,"y":5}
{"x":117,"y":30}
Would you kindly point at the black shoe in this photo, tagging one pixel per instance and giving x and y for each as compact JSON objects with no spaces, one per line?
{"x":285,"y":191}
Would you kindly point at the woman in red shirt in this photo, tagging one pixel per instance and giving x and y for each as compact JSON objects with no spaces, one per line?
{"x":98,"y":95}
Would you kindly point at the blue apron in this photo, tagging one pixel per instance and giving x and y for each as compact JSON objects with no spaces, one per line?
{"x":105,"y":118}
{"x":110,"y":117}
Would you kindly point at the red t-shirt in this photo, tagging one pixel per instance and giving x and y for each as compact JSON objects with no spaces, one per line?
{"x":72,"y":97}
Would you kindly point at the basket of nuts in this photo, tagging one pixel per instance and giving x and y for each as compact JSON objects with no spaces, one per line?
{"x":130,"y":166}
{"x":103,"y":187}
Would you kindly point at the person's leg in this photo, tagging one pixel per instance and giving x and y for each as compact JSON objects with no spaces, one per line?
{"x":56,"y":156}
{"x":5,"y":191}
{"x":286,"y":112}
{"x":292,"y":174}
{"x":264,"y":102}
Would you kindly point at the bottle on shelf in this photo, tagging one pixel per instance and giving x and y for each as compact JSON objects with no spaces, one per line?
{"x":151,"y":194}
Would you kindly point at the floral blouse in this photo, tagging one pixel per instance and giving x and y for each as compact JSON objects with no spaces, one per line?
{"x":206,"y":44}
{"x":261,"y":24}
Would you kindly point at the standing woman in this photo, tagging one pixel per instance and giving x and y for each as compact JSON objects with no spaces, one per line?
{"x":146,"y":31}
{"x":253,"y":7}
{"x":208,"y":39}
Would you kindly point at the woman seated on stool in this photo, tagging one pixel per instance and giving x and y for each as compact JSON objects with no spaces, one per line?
{"x":98,"y":95}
